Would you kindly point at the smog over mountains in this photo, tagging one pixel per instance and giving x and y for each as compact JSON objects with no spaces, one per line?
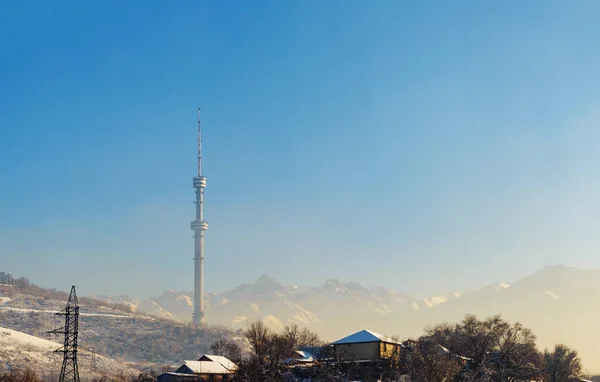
{"x":554,"y":302}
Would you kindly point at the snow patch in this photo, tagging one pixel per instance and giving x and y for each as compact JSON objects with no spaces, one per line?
{"x":435,"y":301}
{"x":21,"y":348}
{"x":132,"y":305}
{"x":224,"y":301}
{"x":383,"y":310}
{"x":273,"y":322}
{"x":551,"y":294}
{"x":254,"y":307}
{"x":13,"y":339}
{"x":415,"y":305}
{"x":186,"y":299}
{"x":504,"y":285}
{"x":238,"y":319}
{"x":302,"y":316}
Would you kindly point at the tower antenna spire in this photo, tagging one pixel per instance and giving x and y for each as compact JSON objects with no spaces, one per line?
{"x":199,"y":145}
{"x":199,"y":226}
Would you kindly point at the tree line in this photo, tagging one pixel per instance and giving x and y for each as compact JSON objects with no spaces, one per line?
{"x":9,"y":279}
{"x":472,"y":350}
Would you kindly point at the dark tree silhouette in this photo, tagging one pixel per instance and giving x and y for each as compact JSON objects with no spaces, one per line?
{"x":497,"y":350}
{"x":562,"y":364}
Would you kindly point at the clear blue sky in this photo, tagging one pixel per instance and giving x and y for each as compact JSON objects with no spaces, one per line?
{"x":423,"y":146}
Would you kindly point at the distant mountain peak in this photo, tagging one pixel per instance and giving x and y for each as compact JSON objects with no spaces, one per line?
{"x":265,"y":285}
{"x":556,"y":270}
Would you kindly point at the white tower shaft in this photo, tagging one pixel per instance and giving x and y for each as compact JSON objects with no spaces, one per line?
{"x":199,"y":226}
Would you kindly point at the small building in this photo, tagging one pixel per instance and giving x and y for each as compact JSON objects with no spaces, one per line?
{"x":206,"y":368}
{"x":367,"y":346}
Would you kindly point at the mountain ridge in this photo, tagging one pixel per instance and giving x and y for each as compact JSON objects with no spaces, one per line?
{"x":176,"y":304}
{"x":544,"y":301}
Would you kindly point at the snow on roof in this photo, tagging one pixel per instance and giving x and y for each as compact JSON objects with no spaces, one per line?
{"x":203,"y":367}
{"x":305,"y":356}
{"x":304,"y":353}
{"x":365,"y":336}
{"x":301,"y":357}
{"x":447,"y":351}
{"x":224,"y":361}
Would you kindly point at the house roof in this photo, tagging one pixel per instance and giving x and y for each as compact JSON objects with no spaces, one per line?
{"x":447,"y":351}
{"x":300,"y":357}
{"x":204,"y":367}
{"x":315,"y":351}
{"x":304,"y":356}
{"x":365,"y":336}
{"x":224,"y":361}
{"x":177,"y":374}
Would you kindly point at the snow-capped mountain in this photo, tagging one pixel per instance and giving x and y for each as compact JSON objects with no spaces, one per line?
{"x":555,"y":302}
{"x":279,"y":305}
{"x":318,"y":308}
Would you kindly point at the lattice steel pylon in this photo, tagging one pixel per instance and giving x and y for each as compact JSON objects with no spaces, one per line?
{"x":69,"y":371}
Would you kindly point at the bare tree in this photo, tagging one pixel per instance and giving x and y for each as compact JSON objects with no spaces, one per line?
{"x":229,"y":349}
{"x":517,"y":355}
{"x":425,"y":360}
{"x":280,"y":349}
{"x":272,"y":350}
{"x":562,"y":364}
{"x":301,"y":337}
{"x":496,"y":349}
{"x":258,"y":335}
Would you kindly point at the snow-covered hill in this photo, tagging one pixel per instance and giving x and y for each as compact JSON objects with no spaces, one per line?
{"x":133,"y":338}
{"x":18,"y":349}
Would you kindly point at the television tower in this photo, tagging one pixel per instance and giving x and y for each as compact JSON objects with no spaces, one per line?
{"x":199,"y":226}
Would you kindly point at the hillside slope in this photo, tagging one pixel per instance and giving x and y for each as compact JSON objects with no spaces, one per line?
{"x":137,"y":340}
{"x":19,"y":350}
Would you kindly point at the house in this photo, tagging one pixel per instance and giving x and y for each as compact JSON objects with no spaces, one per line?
{"x":364,"y":355}
{"x":367,"y":346}
{"x":206,"y":368}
